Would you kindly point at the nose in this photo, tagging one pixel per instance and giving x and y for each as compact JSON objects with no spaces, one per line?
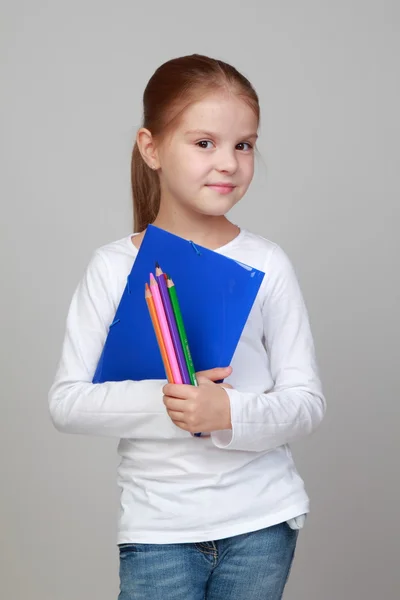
{"x":226,"y":162}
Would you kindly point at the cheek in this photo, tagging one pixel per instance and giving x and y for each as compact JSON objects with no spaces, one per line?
{"x":195,"y":167}
{"x":248,"y":169}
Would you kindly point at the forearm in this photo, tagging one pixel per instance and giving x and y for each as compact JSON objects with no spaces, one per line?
{"x":123,"y":409}
{"x":261,"y":422}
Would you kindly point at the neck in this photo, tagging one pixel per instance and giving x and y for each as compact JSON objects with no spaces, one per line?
{"x":211,"y":234}
{"x":208,"y":231}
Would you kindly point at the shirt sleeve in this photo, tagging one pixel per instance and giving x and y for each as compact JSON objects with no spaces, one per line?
{"x":296,"y":405}
{"x":123,"y":409}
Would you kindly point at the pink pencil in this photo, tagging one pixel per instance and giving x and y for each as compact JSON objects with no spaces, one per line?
{"x":176,"y":374}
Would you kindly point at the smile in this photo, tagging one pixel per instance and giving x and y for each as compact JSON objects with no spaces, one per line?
{"x":222,"y":188}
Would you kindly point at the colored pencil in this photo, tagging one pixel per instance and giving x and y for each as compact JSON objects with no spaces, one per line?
{"x":172,"y":324}
{"x":182,"y":333}
{"x":157,"y":330}
{"x":181,"y":329}
{"x":162,"y":319}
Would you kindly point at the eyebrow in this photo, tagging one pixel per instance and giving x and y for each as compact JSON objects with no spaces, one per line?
{"x":214,"y":135}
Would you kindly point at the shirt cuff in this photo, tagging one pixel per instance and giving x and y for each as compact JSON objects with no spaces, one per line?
{"x":225,"y":438}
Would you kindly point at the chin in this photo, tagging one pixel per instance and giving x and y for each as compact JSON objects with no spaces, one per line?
{"x":216,"y":208}
{"x":213,"y":211}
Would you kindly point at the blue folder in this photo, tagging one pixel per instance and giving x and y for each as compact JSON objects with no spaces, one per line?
{"x":215,"y":292}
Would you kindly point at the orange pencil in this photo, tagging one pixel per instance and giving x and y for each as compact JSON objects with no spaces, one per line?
{"x":157,"y":329}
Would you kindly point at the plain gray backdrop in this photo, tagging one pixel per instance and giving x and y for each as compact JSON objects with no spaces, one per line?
{"x":327,"y":190}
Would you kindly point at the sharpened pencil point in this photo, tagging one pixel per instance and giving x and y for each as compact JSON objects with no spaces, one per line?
{"x":157,"y":265}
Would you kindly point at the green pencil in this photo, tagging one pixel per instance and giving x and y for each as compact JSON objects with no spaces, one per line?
{"x":181,"y":329}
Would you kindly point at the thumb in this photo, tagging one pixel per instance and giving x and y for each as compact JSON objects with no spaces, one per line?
{"x":215,"y":374}
{"x":201,"y":380}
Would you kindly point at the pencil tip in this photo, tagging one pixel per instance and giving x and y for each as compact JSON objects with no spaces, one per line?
{"x":157,"y":265}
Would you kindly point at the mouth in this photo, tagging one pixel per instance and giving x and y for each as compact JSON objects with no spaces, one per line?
{"x":222,"y":188}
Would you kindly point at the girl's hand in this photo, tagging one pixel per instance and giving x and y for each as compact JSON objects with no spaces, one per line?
{"x":202,"y":408}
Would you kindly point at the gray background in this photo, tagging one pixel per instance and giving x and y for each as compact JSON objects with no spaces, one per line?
{"x":326,"y":189}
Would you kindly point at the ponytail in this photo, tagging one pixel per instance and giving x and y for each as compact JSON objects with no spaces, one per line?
{"x":145,"y":191}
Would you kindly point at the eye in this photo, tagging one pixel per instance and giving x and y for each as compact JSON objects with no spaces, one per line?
{"x":244,"y":144}
{"x":200,"y":144}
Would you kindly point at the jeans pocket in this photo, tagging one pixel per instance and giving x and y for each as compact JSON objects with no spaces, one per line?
{"x":128,"y":548}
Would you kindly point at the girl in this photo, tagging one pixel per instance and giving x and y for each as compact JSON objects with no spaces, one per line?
{"x":212,"y":517}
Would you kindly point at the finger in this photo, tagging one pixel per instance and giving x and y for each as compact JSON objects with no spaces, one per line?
{"x":183,"y":426}
{"x":176,"y":417}
{"x":175,"y":404}
{"x":226,"y":385}
{"x":215,"y":374}
{"x":178,"y":390}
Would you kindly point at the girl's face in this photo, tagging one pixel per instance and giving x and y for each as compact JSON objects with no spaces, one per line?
{"x":212,"y":145}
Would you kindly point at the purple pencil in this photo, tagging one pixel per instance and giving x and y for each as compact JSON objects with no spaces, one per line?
{"x":169,"y":312}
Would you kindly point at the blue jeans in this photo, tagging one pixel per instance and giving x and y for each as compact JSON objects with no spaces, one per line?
{"x":251,"y":566}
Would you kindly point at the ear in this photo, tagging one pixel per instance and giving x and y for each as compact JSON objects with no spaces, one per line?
{"x":147,"y":147}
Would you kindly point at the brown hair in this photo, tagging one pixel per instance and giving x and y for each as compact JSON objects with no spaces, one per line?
{"x":172,"y":88}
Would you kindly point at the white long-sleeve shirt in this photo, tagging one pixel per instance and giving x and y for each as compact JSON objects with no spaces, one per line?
{"x":176,"y":487}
